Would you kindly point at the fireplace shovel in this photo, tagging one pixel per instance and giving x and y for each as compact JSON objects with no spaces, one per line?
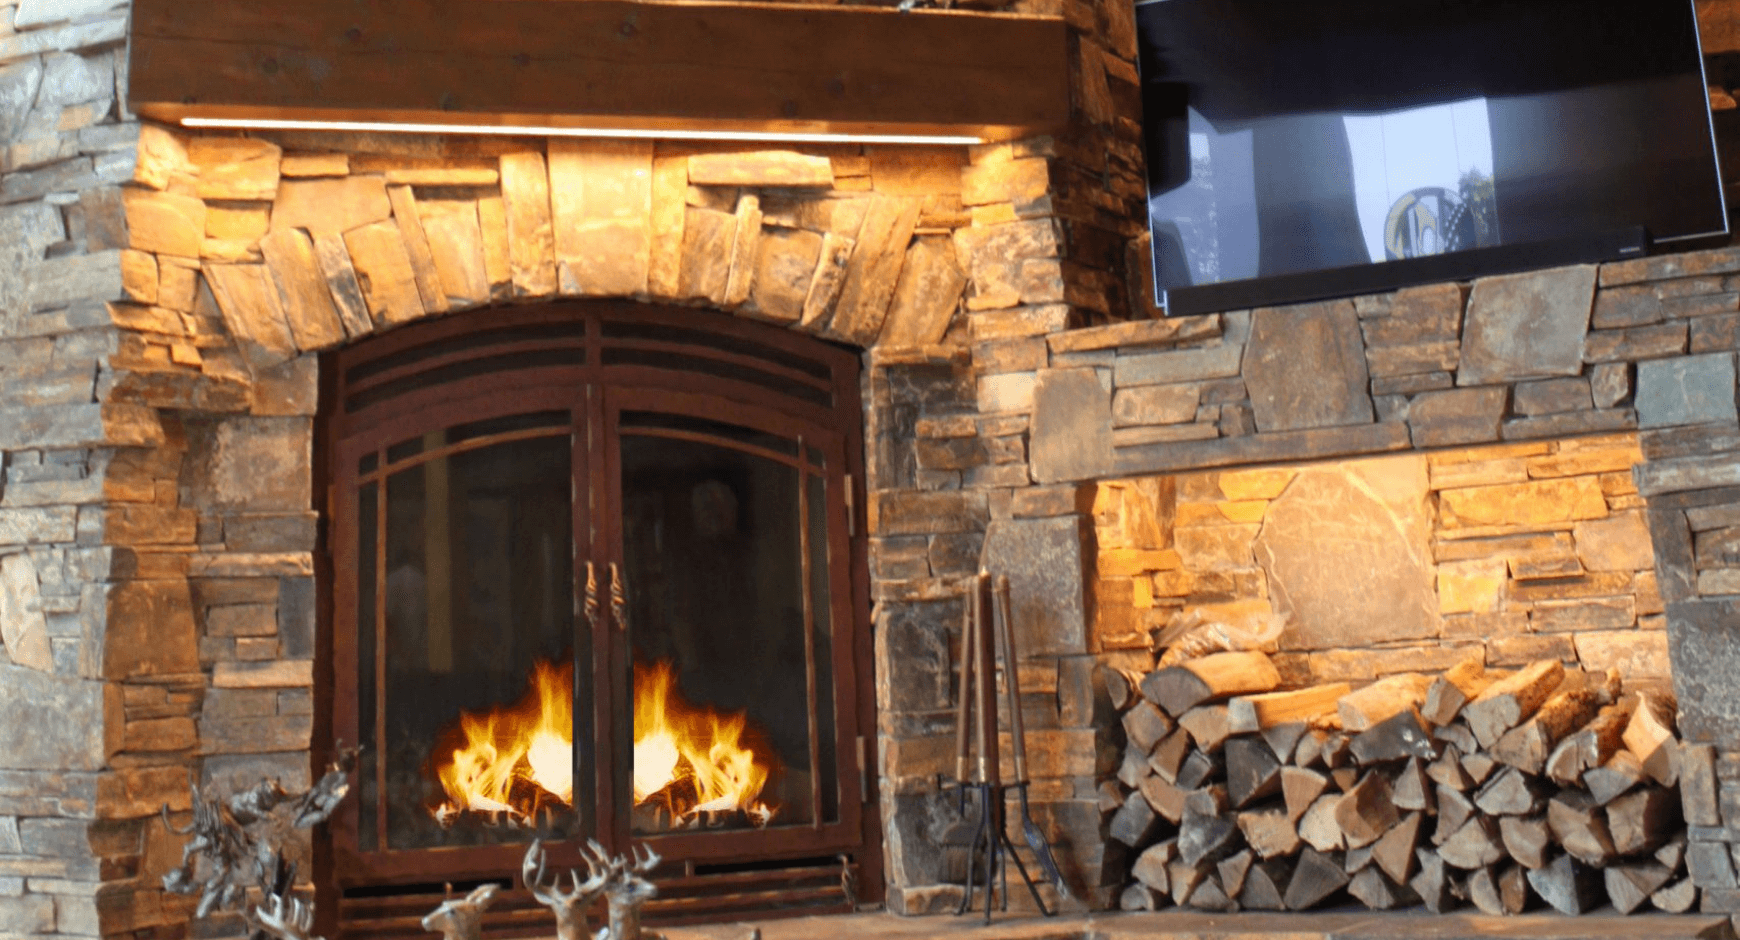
{"x":1018,"y":738}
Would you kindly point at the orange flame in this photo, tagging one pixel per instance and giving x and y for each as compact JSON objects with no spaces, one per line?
{"x":513,"y":760}
{"x":693,"y":761}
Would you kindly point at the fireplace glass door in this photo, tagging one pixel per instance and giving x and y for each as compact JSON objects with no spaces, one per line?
{"x":594,"y":578}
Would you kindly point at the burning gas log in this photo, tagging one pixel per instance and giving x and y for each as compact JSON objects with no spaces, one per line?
{"x":692,"y":762}
{"x":512,"y":761}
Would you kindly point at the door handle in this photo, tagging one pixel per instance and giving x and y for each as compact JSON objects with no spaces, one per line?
{"x":591,"y":608}
{"x":618,"y":597}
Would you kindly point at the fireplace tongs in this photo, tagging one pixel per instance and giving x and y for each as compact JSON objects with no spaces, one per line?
{"x":977,"y":710}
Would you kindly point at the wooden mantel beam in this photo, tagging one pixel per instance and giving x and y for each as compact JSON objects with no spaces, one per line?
{"x":578,"y":63}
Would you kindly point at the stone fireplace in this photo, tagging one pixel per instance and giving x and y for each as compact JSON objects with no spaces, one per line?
{"x":167,"y":298}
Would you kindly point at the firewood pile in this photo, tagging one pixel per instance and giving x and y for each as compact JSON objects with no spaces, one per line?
{"x":1482,"y":786}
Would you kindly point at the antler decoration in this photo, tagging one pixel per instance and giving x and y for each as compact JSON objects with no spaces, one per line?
{"x":461,"y":918}
{"x":617,"y":879}
{"x":237,"y":844}
{"x":570,"y":906}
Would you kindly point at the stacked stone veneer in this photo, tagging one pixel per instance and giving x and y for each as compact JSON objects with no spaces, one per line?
{"x":163,"y":297}
{"x":1509,"y":553}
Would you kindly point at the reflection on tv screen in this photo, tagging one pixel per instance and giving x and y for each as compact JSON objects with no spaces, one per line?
{"x":1335,"y":146}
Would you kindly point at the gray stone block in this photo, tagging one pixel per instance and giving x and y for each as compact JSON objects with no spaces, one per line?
{"x":1046,"y":567}
{"x":1456,"y":416}
{"x":1686,"y":390}
{"x":1705,"y":646}
{"x":52,"y":723}
{"x":912,"y":655}
{"x":1710,"y":865}
{"x":1072,"y":426}
{"x":29,"y":914}
{"x":1525,"y":326}
{"x":1305,"y":367}
{"x":296,"y":617}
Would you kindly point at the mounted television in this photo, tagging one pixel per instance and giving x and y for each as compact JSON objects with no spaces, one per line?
{"x":1304,"y":149}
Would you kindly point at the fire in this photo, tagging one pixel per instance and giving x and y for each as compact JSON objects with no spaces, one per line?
{"x":512,"y":761}
{"x":692,"y":761}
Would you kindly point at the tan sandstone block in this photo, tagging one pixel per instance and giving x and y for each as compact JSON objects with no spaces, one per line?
{"x":525,"y":191}
{"x":237,"y":221}
{"x":670,"y":183}
{"x":874,"y":269}
{"x":383,"y":267}
{"x":302,"y":291}
{"x":927,"y":294}
{"x":342,"y":283}
{"x":417,"y":248}
{"x":165,"y":223}
{"x":785,"y":265}
{"x":250,"y":307}
{"x":601,"y":201}
{"x":330,"y":205}
{"x":784,"y":168}
{"x":1541,"y":502}
{"x":139,"y":276}
{"x":492,"y":219}
{"x":708,"y":235}
{"x":235,"y":167}
{"x":456,"y":243}
{"x":1466,"y":587}
{"x":745,"y":242}
{"x":305,"y":165}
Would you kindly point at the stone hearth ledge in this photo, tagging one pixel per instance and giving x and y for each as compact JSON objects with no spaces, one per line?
{"x":1324,"y":925}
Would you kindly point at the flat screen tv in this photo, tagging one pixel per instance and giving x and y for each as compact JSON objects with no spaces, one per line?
{"x":1304,"y":149}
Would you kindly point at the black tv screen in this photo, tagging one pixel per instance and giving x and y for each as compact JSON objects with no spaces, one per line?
{"x":1303,"y":149}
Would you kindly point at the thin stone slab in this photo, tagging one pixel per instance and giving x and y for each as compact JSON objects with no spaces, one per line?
{"x":1044,"y":562}
{"x":330,"y":206}
{"x":1347,"y":557}
{"x":1705,"y":649}
{"x":1072,"y":426}
{"x":1686,"y":390}
{"x":1305,"y":367}
{"x":1262,"y":448}
{"x":927,"y":294}
{"x":1526,"y":326}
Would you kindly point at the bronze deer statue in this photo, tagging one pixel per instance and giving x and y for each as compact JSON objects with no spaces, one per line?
{"x":461,"y":918}
{"x":569,"y":906}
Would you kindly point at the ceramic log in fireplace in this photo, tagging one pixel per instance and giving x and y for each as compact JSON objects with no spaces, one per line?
{"x":593,"y":579}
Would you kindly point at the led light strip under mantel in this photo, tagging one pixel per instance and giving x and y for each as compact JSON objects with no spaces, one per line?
{"x":539,"y":130}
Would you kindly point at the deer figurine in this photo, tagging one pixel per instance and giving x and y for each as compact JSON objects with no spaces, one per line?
{"x":625,"y":891}
{"x":569,"y":906}
{"x":461,"y":918}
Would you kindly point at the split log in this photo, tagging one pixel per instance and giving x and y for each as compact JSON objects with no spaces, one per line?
{"x":1398,"y":736}
{"x":1121,"y":686}
{"x":1252,"y":772}
{"x":1354,"y":861}
{"x":1151,"y":866}
{"x":1454,"y":811}
{"x":1197,"y":770}
{"x":1337,"y":750}
{"x":1458,"y":734}
{"x":1179,"y":688}
{"x":1207,"y":725}
{"x":1512,"y":793}
{"x":1140,"y":897}
{"x":1269,"y":832}
{"x":1483,"y":891}
{"x":1528,"y":745}
{"x":1629,"y":884}
{"x":1479,"y":766}
{"x":1166,"y":799}
{"x":1510,"y":701}
{"x":1111,"y":796}
{"x":1318,"y":826}
{"x":1591,"y":745}
{"x":1609,"y":781}
{"x":1650,"y":736}
{"x":1185,"y":879}
{"x":1476,"y":845}
{"x":1673,"y":852}
{"x":1676,"y":898}
{"x":1376,"y":702}
{"x":1570,"y":886}
{"x":1233,"y":869}
{"x":1309,"y":751}
{"x":1301,"y":788}
{"x":1394,"y":851}
{"x":1580,"y":827}
{"x":1344,"y":777}
{"x":1513,"y":889}
{"x":1209,"y":838}
{"x":1378,"y":892}
{"x":1699,"y":787}
{"x":1210,"y":800}
{"x":1169,"y":754}
{"x":1526,"y":839}
{"x":1135,"y":823}
{"x":1447,"y":770}
{"x":1433,"y":883}
{"x":1209,"y":896}
{"x":1642,"y":820}
{"x":1411,"y":789}
{"x":1316,"y":877}
{"x":1366,"y":811}
{"x":1283,"y":739}
{"x":1133,"y":769}
{"x":1266,"y":885}
{"x":1145,"y":725}
{"x":1246,"y":713}
{"x":1452,"y":690}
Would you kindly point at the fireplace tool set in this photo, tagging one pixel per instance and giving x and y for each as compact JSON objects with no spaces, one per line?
{"x":988,"y":634}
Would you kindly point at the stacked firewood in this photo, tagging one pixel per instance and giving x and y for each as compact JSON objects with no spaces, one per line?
{"x":1476,"y":785}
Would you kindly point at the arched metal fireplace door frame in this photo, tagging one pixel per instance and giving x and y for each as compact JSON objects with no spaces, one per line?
{"x":607,"y":370}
